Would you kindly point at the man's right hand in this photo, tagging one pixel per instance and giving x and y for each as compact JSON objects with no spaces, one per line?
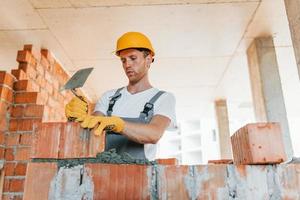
{"x":76,"y":109}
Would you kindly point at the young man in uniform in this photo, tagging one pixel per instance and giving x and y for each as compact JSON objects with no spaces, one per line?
{"x":136,"y":116}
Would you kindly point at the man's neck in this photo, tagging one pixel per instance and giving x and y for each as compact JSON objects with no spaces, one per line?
{"x":138,"y":87}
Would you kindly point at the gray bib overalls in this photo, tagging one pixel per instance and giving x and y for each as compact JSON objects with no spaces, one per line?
{"x":122,"y":143}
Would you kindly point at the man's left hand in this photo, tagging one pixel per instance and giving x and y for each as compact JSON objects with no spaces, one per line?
{"x":115,"y":124}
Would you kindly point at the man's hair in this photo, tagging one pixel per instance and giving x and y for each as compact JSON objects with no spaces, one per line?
{"x":146,"y":52}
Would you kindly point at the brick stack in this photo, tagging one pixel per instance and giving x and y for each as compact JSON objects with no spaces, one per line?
{"x":29,"y":95}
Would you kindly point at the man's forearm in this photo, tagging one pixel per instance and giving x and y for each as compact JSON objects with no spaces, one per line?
{"x":144,"y":133}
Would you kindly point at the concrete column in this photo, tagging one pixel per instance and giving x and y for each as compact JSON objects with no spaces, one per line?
{"x":266,"y":87}
{"x":293,"y":14}
{"x":223,"y":129}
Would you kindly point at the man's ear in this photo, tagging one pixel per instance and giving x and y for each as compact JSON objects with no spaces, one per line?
{"x":149,"y":59}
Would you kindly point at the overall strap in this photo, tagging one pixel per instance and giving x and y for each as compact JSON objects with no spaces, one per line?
{"x":147,"y":114}
{"x":113,"y":100}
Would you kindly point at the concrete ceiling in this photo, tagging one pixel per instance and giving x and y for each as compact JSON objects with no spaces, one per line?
{"x":200,"y":44}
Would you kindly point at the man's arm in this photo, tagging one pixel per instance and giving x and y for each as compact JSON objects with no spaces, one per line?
{"x":144,"y":133}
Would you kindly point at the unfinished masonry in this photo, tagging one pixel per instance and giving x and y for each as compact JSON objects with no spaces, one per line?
{"x":38,"y":145}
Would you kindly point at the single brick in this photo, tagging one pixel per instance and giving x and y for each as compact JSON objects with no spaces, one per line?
{"x":6,"y":94}
{"x":2,"y":153}
{"x":167,"y":161}
{"x":23,"y":153}
{"x":29,"y":69}
{"x":26,"y":57}
{"x":6,"y":79}
{"x":9,"y":154}
{"x":17,"y":111}
{"x":16,"y":185}
{"x":34,"y":111}
{"x":26,"y":139}
{"x":9,"y":168}
{"x":19,"y":74}
{"x":20,"y":169}
{"x":258,"y":143}
{"x":26,"y":97}
{"x":2,"y":138}
{"x":12,"y":139}
{"x":34,"y":51}
{"x":5,"y":108}
{"x":26,"y":85}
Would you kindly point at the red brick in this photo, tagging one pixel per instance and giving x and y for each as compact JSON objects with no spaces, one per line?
{"x":258,"y":143}
{"x":172,"y":179}
{"x":20,"y":169}
{"x":52,"y":103}
{"x":26,"y":97}
{"x":29,"y":70}
{"x":48,"y":77}
{"x":9,"y":154}
{"x":167,"y":161}
{"x":16,"y":185}
{"x":46,"y":140}
{"x":2,"y":138}
{"x":6,"y":185}
{"x":40,"y":80}
{"x":4,"y":108}
{"x":33,"y":50}
{"x":17,"y":111}
{"x":49,"y":88}
{"x":3,"y":124}
{"x":6,"y":94}
{"x":12,"y":139}
{"x":23,"y":124}
{"x":40,"y":69}
{"x":23,"y":153}
{"x":19,"y":74}
{"x":47,"y":54}
{"x":38,"y":178}
{"x":27,"y":124}
{"x":26,"y":57}
{"x":26,"y":139}
{"x":120,"y":181}
{"x":9,"y":169}
{"x":221,"y":161}
{"x":45,"y":63}
{"x":56,"y":84}
{"x":34,"y":111}
{"x":6,"y":79}
{"x":2,"y":153}
{"x":76,"y":142}
{"x":26,"y":85}
{"x":13,"y":125}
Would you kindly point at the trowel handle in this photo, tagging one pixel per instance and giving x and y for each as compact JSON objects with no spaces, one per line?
{"x":79,"y":96}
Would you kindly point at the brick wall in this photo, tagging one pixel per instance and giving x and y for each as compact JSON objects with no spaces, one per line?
{"x":29,"y":94}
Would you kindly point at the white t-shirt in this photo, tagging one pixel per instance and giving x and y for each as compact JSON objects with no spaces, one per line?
{"x":130,"y":106}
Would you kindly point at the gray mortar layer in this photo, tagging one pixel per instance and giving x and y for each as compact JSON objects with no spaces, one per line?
{"x":110,"y":156}
{"x":193,"y":181}
{"x":152,"y":173}
{"x":71,"y":184}
{"x":273,"y":183}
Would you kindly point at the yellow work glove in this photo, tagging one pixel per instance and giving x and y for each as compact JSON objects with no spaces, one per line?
{"x":76,"y":109}
{"x":115,"y":124}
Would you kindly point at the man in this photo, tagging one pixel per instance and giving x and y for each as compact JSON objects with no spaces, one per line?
{"x":135,"y":117}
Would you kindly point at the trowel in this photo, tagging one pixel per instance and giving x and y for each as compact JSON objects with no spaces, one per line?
{"x":77,"y":81}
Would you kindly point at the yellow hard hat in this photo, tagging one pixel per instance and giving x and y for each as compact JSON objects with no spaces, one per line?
{"x":133,"y":40}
